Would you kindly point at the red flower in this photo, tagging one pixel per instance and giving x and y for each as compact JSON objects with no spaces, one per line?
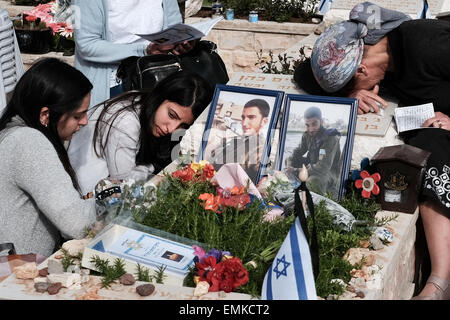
{"x":185,"y":174}
{"x":208,"y":171}
{"x":368,"y":184}
{"x":30,"y":18}
{"x":205,"y":267}
{"x":228,"y":275}
{"x":238,"y":201}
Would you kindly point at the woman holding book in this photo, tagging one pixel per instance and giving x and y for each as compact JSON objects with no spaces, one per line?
{"x":411,"y":59}
{"x":106,"y":33}
{"x":130,"y":136}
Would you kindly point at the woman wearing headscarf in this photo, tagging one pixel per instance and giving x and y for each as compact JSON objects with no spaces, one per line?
{"x":377,"y":48}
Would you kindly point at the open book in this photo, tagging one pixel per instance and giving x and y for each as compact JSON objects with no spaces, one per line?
{"x":182,"y":32}
{"x":410,"y":118}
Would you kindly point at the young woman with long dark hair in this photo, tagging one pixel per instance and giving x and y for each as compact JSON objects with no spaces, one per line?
{"x":129,"y":137}
{"x":40,"y":200}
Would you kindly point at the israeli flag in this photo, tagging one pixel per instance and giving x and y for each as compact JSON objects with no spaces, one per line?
{"x":325,"y":6}
{"x":424,"y":10}
{"x":290,"y":277}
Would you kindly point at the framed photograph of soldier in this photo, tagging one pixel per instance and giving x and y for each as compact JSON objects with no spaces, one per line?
{"x":318,"y":132}
{"x":240,"y":127}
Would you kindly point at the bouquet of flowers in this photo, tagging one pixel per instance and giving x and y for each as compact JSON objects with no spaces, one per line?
{"x":194,"y":202}
{"x":62,"y":29}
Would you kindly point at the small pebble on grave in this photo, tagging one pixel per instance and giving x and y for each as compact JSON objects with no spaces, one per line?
{"x":201,"y":288}
{"x":55,"y":266}
{"x":41,"y":286}
{"x":43,"y":272}
{"x":40,"y":279}
{"x":127,"y":279}
{"x":26,"y":271}
{"x":145,"y":289}
{"x":75,"y":247}
{"x":66,"y":279}
{"x":54,"y":288}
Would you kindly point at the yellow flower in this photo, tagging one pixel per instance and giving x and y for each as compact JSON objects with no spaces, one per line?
{"x":225,"y":257}
{"x":195,"y":166}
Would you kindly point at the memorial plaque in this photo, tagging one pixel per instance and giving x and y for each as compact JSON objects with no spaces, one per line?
{"x":282,"y":82}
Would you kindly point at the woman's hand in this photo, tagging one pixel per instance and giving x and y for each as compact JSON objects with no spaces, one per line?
{"x":369,"y":100}
{"x":440,"y":120}
{"x":177,"y":49}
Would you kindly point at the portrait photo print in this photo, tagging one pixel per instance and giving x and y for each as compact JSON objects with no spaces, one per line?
{"x":240,"y":128}
{"x":318,"y":132}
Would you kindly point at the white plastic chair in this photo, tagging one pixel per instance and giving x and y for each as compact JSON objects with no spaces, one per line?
{"x":11,"y":65}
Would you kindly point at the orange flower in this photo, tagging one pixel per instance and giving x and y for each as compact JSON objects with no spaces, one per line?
{"x":185,"y":175}
{"x":237,"y":190}
{"x":211,"y":202}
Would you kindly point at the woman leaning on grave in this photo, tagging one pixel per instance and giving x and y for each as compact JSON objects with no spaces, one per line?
{"x":410,"y":59}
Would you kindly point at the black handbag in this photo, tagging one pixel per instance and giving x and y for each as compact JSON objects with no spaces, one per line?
{"x":145,"y":72}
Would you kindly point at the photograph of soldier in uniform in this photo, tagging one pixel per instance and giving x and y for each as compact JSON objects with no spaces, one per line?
{"x":239,"y":131}
{"x":315,"y":135}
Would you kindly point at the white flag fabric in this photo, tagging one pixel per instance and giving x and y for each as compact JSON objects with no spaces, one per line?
{"x":325,"y":6}
{"x":424,"y":10}
{"x":290,"y":277}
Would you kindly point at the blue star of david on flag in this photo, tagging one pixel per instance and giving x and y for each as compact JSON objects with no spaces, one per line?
{"x":285,"y":266}
{"x":290,"y":277}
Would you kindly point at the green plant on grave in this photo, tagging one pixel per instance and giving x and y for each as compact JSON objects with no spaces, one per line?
{"x":110,"y":273}
{"x":176,"y":209}
{"x":143,"y":274}
{"x":68,"y":260}
{"x":334,"y":242}
{"x":284,"y":65}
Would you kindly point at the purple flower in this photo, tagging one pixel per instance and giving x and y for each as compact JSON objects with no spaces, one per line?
{"x":217,"y":254}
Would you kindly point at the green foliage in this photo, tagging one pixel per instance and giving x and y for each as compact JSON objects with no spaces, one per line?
{"x":178,"y":210}
{"x":143,"y":274}
{"x":284,"y":65}
{"x":273,"y":10}
{"x":67,"y":260}
{"x":110,"y":273}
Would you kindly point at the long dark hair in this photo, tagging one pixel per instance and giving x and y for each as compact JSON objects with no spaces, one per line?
{"x":56,"y":85}
{"x":183,"y":87}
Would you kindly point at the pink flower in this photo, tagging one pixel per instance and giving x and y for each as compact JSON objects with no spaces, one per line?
{"x":199,"y":252}
{"x":368,"y":184}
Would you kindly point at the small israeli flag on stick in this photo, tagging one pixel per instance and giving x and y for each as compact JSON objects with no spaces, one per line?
{"x":290,"y":277}
{"x":324,"y":6}
{"x":424,"y":11}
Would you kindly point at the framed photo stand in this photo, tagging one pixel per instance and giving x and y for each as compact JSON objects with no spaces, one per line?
{"x":318,"y":132}
{"x":240,"y":127}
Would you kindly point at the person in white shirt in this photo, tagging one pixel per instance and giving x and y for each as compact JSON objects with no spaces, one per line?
{"x":129,"y":137}
{"x":106,"y":35}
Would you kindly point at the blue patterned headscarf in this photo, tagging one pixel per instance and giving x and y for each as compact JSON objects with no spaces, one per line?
{"x":338,"y":51}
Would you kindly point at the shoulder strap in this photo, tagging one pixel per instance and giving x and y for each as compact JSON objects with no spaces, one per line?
{"x":8,"y":246}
